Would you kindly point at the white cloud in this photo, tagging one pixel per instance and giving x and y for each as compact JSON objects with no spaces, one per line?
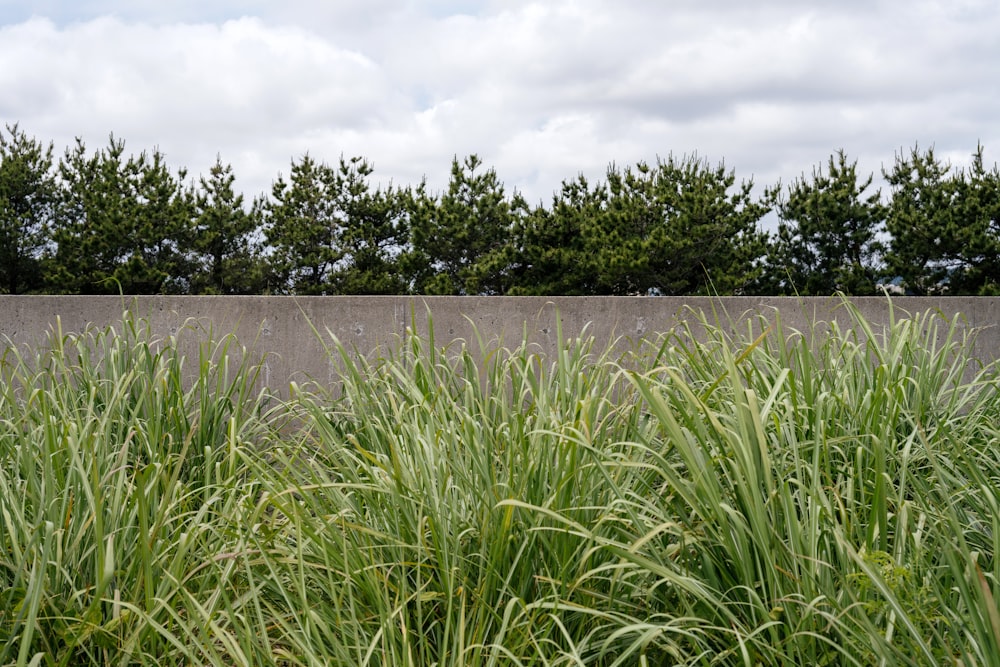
{"x":192,"y":90}
{"x":541,"y":90}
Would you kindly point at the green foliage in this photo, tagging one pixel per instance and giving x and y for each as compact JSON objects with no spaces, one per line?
{"x":724,"y":494}
{"x":978,"y":210}
{"x":303,"y":226}
{"x":107,"y":222}
{"x":420,"y":562}
{"x":822,"y":538}
{"x":224,"y":244}
{"x":551,"y":253}
{"x":920,"y":221}
{"x":331,"y":234}
{"x":677,"y":228}
{"x":122,"y":225}
{"x":827,"y":238}
{"x":459,"y":239}
{"x":119,"y":473}
{"x":375,"y":234}
{"x":28,"y":194}
{"x":673,"y":228}
{"x":945,"y":234}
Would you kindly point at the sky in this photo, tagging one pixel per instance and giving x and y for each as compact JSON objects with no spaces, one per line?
{"x":541,"y":90}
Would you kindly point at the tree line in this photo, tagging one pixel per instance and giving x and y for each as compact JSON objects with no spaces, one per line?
{"x":107,"y":221}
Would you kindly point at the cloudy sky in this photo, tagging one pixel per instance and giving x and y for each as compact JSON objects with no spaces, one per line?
{"x":541,"y":89}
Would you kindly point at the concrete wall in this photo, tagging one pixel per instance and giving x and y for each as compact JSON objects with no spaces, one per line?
{"x":280,"y":329}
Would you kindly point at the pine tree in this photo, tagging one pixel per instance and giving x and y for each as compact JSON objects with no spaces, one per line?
{"x":28,"y":196}
{"x":549,"y":254}
{"x":922,"y":223}
{"x":679,"y":227}
{"x":225,"y":238}
{"x":458,"y":238}
{"x":122,"y":224}
{"x":303,"y":226}
{"x":375,"y":233}
{"x":976,"y":227}
{"x":828,"y":233}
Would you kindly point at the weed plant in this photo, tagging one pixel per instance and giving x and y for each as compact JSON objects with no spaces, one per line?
{"x":118,"y":486}
{"x":764,"y":497}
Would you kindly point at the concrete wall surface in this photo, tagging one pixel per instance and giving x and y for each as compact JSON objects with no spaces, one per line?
{"x":283,"y":330}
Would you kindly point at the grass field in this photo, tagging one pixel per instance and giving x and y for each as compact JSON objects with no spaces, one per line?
{"x":767,"y":498}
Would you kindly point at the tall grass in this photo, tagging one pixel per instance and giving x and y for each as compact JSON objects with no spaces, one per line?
{"x":806,"y":471}
{"x":820,"y":497}
{"x":400,"y":544}
{"x":116,"y":487}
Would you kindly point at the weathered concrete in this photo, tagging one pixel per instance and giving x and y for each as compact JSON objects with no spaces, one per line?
{"x":283,"y":330}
